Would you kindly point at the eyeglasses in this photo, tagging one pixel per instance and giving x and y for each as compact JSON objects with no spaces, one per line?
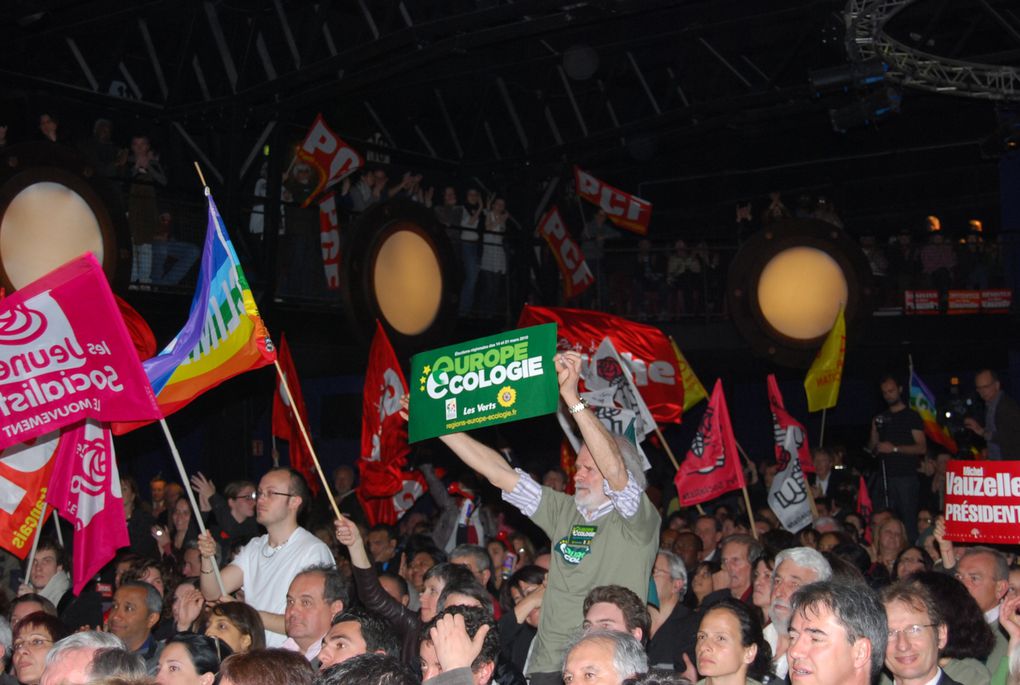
{"x":262,"y":494}
{"x":31,"y":643}
{"x":250,"y":495}
{"x":910,"y":632}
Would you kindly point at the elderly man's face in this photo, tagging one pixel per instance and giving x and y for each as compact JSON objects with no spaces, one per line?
{"x":588,"y":491}
{"x":977,"y":573}
{"x":591,"y":663}
{"x":786,"y":580}
{"x":736,"y":563}
{"x":986,"y":386}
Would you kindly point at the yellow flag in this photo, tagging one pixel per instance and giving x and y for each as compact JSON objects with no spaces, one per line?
{"x":694,"y":391}
{"x":822,"y":380}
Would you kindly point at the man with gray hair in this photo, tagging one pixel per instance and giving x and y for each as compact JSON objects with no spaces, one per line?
{"x":674,"y":626}
{"x":610,"y":656}
{"x":70,"y":661}
{"x":985,"y":573}
{"x":794,"y":568}
{"x":604,"y":535}
{"x":838,"y":634}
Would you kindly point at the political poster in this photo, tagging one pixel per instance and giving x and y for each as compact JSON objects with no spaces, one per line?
{"x":983,"y":502}
{"x":497,"y":379}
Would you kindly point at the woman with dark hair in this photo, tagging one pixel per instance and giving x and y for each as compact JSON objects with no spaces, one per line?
{"x":237,"y":624}
{"x":761,"y":582}
{"x":970,"y":639}
{"x":701,"y":583}
{"x":266,"y":667}
{"x":189,"y":659}
{"x":521,"y":599}
{"x":181,"y":528}
{"x":911,"y":560}
{"x":187,"y":605}
{"x":731,"y":648}
{"x":33,"y":638}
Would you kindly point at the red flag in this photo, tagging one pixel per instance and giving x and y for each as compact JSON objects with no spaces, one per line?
{"x":623,"y":209}
{"x":329,"y":240}
{"x":329,"y":154}
{"x":384,"y":446}
{"x":712,"y":466}
{"x":577,"y":277}
{"x":389,"y":509}
{"x":85,"y":488}
{"x":781,"y":421}
{"x":285,"y":419}
{"x":646,"y":349}
{"x":864,"y":507}
{"x":24,"y":475}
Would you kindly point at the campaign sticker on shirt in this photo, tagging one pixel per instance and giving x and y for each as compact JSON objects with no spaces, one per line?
{"x":576,"y":546}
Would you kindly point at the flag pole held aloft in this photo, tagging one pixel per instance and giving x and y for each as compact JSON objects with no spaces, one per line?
{"x":307,"y":440}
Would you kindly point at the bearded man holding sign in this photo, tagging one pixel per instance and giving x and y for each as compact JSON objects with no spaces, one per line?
{"x":606,"y":534}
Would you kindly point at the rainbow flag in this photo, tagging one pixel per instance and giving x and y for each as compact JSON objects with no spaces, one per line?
{"x":223,"y":336}
{"x":923,"y":402}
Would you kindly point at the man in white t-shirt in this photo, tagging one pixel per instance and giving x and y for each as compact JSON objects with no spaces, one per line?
{"x":265,"y":567}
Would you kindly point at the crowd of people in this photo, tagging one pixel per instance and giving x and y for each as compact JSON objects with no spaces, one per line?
{"x":603,"y":585}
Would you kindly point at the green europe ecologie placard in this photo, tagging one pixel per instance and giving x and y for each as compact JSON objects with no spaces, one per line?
{"x":497,"y":379}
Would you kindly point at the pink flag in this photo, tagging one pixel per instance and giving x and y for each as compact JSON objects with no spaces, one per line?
{"x":65,"y":355}
{"x":85,"y":488}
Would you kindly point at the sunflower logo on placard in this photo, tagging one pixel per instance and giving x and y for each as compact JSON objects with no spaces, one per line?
{"x":507,"y":396}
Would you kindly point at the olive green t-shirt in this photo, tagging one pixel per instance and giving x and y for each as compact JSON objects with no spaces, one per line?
{"x":611,"y":550}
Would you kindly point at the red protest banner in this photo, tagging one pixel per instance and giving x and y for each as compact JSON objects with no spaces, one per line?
{"x":576,"y":274}
{"x":329,"y":239}
{"x":646,"y":350}
{"x":983,"y":501}
{"x":921,"y":302}
{"x":623,"y":209}
{"x":329,"y":154}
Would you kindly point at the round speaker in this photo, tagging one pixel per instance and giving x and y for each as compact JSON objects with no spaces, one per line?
{"x":54,"y":208}
{"x":787,"y":283}
{"x":399,"y":267}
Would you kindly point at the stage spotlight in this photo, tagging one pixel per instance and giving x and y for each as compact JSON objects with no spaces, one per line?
{"x":399,"y":267}
{"x":53,"y":208}
{"x":786,"y":285}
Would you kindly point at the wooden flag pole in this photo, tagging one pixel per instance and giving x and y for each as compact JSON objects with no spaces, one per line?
{"x":308,"y":441}
{"x":196,"y":512}
{"x":35,"y":546}
{"x":821,"y":435}
{"x":747,"y":498}
{"x":750,"y":514}
{"x":665,"y":446}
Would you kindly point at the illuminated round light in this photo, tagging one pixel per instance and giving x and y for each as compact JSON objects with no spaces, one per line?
{"x":408,"y":282}
{"x":46,"y":225}
{"x":800,"y":291}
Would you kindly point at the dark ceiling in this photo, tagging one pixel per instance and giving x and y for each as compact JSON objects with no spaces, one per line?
{"x":695,"y":104}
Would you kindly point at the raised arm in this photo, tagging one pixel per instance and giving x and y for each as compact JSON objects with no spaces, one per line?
{"x":477,"y":456}
{"x":599,"y":441}
{"x":232,"y":576}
